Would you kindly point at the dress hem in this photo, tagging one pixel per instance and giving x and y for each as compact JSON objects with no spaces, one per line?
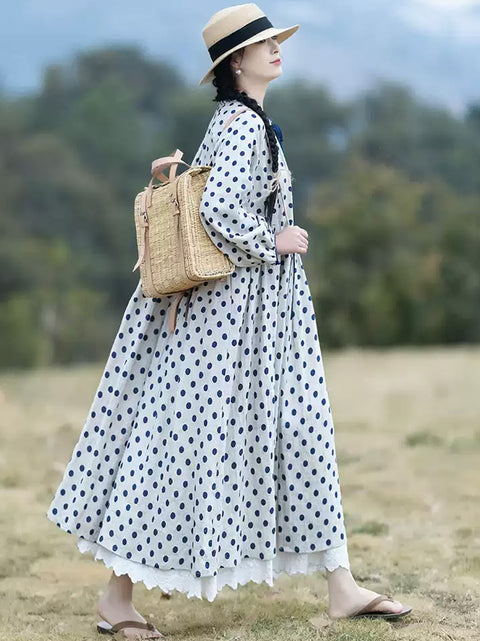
{"x":249,"y":569}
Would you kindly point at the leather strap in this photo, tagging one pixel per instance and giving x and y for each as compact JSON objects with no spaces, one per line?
{"x":143,"y":222}
{"x":172,"y":318}
{"x":372,"y":604}
{"x":159,"y":165}
{"x":132,"y":624}
{"x":237,"y":113}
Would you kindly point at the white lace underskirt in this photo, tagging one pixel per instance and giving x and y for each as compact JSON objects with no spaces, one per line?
{"x":248,"y":569}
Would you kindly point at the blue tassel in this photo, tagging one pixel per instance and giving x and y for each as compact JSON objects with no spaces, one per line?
{"x":278,"y":133}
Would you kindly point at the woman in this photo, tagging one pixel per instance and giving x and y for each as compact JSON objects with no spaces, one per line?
{"x":208,"y":455}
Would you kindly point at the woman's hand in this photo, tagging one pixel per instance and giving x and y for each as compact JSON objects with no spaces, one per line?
{"x":293,"y":239}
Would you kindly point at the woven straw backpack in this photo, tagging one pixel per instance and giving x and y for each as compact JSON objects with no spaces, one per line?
{"x":175,"y":252}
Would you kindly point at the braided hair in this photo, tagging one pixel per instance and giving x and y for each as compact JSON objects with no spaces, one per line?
{"x":224,"y":81}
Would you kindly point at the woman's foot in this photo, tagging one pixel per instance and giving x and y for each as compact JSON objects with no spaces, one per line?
{"x":354,"y":602}
{"x":346,"y":597}
{"x":114,"y":610}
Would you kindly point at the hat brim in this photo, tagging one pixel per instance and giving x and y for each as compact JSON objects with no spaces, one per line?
{"x":282,"y":34}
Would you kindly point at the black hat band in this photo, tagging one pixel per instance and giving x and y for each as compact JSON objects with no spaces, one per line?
{"x":239,"y":36}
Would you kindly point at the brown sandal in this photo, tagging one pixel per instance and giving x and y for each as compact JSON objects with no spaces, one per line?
{"x":106,"y":628}
{"x":366,"y":611}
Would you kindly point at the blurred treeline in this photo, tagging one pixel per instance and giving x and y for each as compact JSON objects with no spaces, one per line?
{"x":387,"y":187}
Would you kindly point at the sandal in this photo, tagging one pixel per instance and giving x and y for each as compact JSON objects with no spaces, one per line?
{"x":367,"y":612}
{"x":106,"y":628}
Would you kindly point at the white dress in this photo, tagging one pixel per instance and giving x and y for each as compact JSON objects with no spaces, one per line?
{"x":208,"y":456}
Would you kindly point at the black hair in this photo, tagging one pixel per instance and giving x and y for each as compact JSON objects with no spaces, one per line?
{"x":224,"y":81}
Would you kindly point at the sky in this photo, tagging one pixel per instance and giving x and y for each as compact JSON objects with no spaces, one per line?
{"x":35,"y":33}
{"x":450,"y":5}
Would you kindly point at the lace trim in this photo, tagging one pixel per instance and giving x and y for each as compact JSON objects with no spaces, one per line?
{"x":256,"y":570}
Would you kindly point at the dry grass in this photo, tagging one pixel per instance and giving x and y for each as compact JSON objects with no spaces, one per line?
{"x":408,"y":442}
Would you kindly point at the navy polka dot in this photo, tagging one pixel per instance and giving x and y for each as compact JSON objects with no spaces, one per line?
{"x":214,"y":443}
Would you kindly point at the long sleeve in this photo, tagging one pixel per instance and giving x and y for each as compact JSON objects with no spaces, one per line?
{"x":227,"y":208}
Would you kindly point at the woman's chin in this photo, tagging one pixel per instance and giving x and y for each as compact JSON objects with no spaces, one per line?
{"x":276,"y":73}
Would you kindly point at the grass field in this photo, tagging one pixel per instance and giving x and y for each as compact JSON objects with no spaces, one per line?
{"x":408,"y":444}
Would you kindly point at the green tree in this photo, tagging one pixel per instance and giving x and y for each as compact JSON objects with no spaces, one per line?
{"x":375,"y":257}
{"x":389,"y":125}
{"x":460,"y":272}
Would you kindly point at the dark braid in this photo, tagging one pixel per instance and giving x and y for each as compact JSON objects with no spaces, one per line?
{"x":224,"y":81}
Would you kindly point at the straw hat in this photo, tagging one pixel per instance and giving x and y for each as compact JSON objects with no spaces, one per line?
{"x":235,"y":27}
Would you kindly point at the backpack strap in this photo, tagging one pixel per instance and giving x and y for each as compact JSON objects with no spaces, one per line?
{"x":172,"y":317}
{"x":159,"y":164}
{"x":232,"y":118}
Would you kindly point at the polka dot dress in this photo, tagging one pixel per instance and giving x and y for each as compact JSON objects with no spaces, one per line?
{"x":208,"y":456}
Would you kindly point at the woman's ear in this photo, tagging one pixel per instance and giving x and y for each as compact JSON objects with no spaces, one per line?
{"x":235,"y":60}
